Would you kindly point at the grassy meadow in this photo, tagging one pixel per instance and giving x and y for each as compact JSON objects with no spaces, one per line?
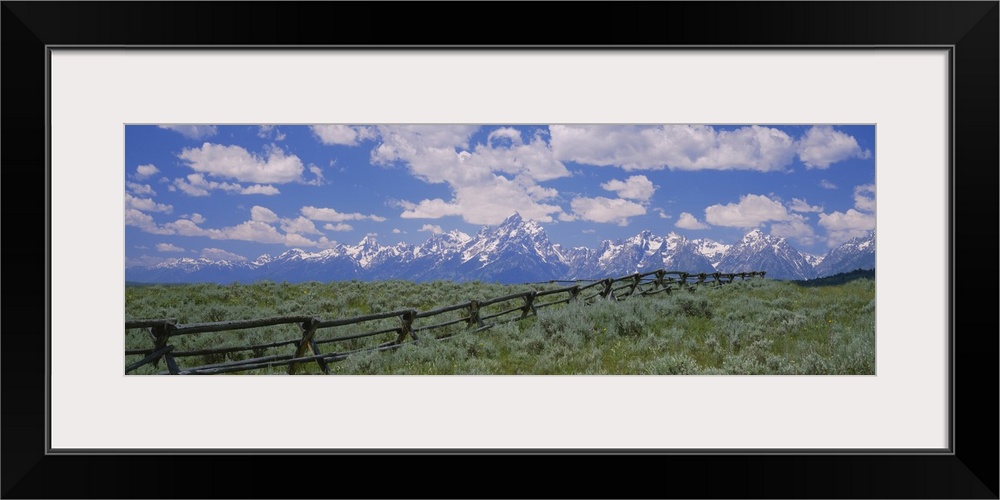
{"x":759,"y":326}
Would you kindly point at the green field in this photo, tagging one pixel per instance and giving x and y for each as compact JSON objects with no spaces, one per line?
{"x":759,"y":326}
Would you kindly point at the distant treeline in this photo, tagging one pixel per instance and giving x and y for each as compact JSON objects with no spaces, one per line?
{"x":838,"y":279}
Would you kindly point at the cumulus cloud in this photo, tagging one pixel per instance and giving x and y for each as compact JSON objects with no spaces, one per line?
{"x":431,"y":228}
{"x":636,"y":187}
{"x":823,"y":146}
{"x":679,"y":147}
{"x":197,"y":185}
{"x":138,"y":188}
{"x":197,"y":218}
{"x":299,"y":225}
{"x":662,"y":213}
{"x":488,"y":181}
{"x":864,"y":197}
{"x":263,"y":214}
{"x":796,"y":229}
{"x":331,"y":215}
{"x":397,"y":231}
{"x":688,"y":221}
{"x":194,"y":132}
{"x":843,"y":226}
{"x":431,"y":209}
{"x":602,"y":209}
{"x":167,"y":247}
{"x":344,"y":135}
{"x":259,"y":189}
{"x":145,"y":171}
{"x":234,"y":162}
{"x":802,"y":205}
{"x":146,"y":204}
{"x":751,"y":211}
{"x":143,"y":221}
{"x":343,"y":226}
{"x":218,"y":254}
{"x":825,"y":184}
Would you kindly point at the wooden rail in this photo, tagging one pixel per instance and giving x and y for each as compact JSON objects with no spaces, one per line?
{"x":475,"y":314}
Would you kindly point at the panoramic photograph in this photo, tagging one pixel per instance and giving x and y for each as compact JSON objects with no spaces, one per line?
{"x":499,"y":249}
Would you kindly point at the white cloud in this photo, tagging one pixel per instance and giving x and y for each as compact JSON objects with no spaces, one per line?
{"x":663,"y":215}
{"x":344,"y":135}
{"x":431,"y":209}
{"x":396,"y":231}
{"x":864,"y":197}
{"x":319,"y":180}
{"x":167,"y":247}
{"x":193,"y":131}
{"x":796,"y":229}
{"x":431,"y":228}
{"x":342,"y":226}
{"x":146,"y":205}
{"x":825,"y":184}
{"x":143,"y":221}
{"x":843,"y":226}
{"x":688,"y":221}
{"x":680,"y":147}
{"x":144,"y":171}
{"x":234,"y":162}
{"x":197,"y":218}
{"x":602,"y":209}
{"x":823,"y":146}
{"x":220,"y":254}
{"x":589,"y":231}
{"x":802,"y":205}
{"x":263,"y":214}
{"x":299,"y":225}
{"x":259,"y":189}
{"x":331,"y":215}
{"x":137,"y":188}
{"x":270,"y":131}
{"x":636,"y":187}
{"x":483,"y":191}
{"x":489,"y":203}
{"x":197,"y":185}
{"x":751,"y":211}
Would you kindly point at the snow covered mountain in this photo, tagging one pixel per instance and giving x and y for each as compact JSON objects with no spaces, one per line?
{"x":758,"y":251}
{"x":517,"y":251}
{"x":859,"y":253}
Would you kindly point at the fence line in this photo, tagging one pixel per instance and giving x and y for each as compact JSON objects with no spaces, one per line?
{"x":307,"y":348}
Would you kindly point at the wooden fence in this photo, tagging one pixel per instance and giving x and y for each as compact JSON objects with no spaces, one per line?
{"x":412,"y":326}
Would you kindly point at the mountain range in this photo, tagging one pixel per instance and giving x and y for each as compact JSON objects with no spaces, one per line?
{"x":518,"y":251}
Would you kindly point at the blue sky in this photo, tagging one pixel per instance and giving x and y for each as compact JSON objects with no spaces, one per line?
{"x":240,"y":191}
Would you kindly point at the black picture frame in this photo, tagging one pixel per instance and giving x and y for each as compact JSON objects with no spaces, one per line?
{"x":969,"y":470}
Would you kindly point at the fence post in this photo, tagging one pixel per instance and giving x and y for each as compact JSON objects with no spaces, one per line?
{"x":308,"y":342}
{"x":161,"y":334}
{"x":635,"y":283}
{"x":474,"y":314}
{"x":574,"y":293}
{"x":716,"y":276}
{"x":407,"y":328}
{"x":529,"y":305}
{"x":659,"y":279}
{"x":606,"y":293}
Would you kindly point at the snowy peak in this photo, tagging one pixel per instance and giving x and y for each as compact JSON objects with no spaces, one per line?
{"x":858,"y":253}
{"x":757,"y":251}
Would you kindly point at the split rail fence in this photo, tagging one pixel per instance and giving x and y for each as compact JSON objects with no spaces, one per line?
{"x":413,"y":325}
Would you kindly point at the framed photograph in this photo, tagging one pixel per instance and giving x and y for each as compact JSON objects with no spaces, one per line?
{"x":247,"y":157}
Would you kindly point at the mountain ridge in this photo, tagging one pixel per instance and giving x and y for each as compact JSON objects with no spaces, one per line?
{"x":517,"y":251}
